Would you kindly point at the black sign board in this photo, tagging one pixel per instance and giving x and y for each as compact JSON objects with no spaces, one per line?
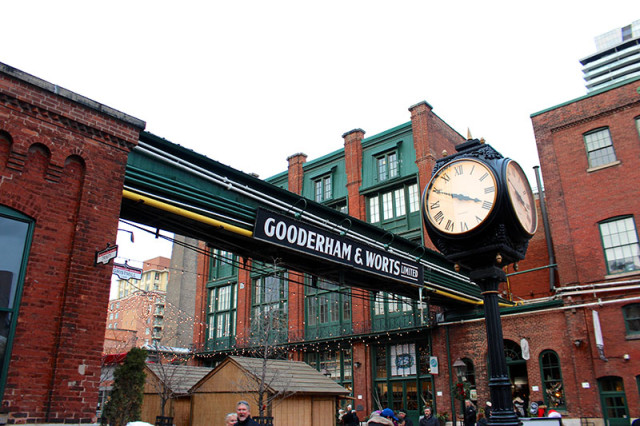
{"x":306,"y":238}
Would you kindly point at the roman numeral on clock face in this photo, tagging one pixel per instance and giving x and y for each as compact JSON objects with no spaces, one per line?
{"x":439,"y":217}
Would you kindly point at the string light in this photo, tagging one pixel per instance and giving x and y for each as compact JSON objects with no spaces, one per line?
{"x":288,"y":277}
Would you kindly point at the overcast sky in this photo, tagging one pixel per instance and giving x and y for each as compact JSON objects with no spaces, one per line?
{"x":248,"y":83}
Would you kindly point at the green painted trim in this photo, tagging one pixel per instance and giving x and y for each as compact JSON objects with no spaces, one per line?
{"x":588,"y":95}
{"x":15,"y":309}
{"x":337,"y":155}
{"x":387,"y":134}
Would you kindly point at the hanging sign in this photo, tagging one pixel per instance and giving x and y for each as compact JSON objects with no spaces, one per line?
{"x":125,"y":272}
{"x":303,"y":237}
{"x":104,"y":256}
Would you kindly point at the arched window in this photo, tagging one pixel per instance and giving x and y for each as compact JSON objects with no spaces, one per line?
{"x":470,"y":372}
{"x":551,"y":375}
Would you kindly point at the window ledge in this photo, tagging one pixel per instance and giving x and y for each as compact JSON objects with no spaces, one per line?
{"x":604,"y":166}
{"x":621,"y":275}
{"x":632,"y":337}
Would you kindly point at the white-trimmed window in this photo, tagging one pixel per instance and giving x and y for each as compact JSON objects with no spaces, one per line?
{"x":323,"y":188}
{"x":388,"y":167}
{"x":599,"y":147}
{"x":620,"y":244}
{"x":393,"y":204}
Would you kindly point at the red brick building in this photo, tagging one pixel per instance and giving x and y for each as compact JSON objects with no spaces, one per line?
{"x":585,"y":278}
{"x":62,"y":163}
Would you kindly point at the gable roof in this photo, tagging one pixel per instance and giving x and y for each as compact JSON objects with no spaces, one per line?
{"x":179,"y":378}
{"x":287,"y":376}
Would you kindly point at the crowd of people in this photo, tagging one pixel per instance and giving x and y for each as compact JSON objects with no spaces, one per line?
{"x":388,"y":417}
{"x":471,"y":415}
{"x":385,"y":417}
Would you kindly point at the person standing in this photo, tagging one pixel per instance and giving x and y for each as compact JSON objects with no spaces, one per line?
{"x":244,"y":415}
{"x":402,"y":418}
{"x":350,"y":418}
{"x":469,"y":413}
{"x":428,"y":419}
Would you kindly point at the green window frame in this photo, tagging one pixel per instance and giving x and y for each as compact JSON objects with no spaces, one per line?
{"x":388,"y":166}
{"x":222,"y":264}
{"x":269,"y":319}
{"x":638,"y":125}
{"x":620,"y":243}
{"x":599,"y":147}
{"x":334,"y":363}
{"x":392,"y":312}
{"x":323,"y":188}
{"x":221,"y":316}
{"x":395,"y":203}
{"x":328,"y":310}
{"x":631,"y":314}
{"x":552,"y":384}
{"x":412,"y":391}
{"x":15,"y":241}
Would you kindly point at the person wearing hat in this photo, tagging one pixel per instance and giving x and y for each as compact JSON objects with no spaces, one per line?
{"x":350,"y":417}
{"x":402,"y":418}
{"x":383,"y":419}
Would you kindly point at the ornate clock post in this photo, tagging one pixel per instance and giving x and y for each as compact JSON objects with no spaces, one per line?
{"x":479,"y":211}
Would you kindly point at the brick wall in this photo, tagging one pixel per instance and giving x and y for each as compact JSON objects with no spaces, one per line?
{"x":577,"y":197}
{"x":62,"y":164}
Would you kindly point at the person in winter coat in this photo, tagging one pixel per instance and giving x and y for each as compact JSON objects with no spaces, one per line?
{"x":350,"y":418}
{"x":384,"y":418}
{"x":402,"y":418}
{"x":429,"y":419}
{"x":469,"y":413}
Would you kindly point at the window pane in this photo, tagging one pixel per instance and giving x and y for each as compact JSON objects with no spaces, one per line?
{"x":318,"y":185}
{"x":12,"y":237}
{"x":599,"y":148}
{"x":374,"y":210}
{"x":632,"y":318}
{"x":414,"y":198}
{"x":400,"y":206}
{"x":327,"y":188}
{"x":621,"y":249}
{"x":382,"y":168}
{"x":393,"y":165}
{"x":387,"y":206}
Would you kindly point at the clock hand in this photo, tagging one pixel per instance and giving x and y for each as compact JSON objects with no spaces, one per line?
{"x":521,"y":200}
{"x":458,"y":196}
{"x":465,"y":197}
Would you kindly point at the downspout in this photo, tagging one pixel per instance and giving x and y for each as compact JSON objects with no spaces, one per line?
{"x":547,"y":231}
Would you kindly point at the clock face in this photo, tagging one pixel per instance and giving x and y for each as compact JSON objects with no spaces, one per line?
{"x":460,"y":196}
{"x":521,"y":197}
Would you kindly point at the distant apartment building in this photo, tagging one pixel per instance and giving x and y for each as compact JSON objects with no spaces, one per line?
{"x":617,"y":58}
{"x":136,"y":317}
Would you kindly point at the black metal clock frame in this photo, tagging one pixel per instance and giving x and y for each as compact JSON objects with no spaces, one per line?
{"x":497,"y":242}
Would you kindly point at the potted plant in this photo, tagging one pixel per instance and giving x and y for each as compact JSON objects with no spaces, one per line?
{"x":443,"y":418}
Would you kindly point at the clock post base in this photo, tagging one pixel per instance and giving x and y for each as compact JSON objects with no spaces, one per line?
{"x":502,"y":413}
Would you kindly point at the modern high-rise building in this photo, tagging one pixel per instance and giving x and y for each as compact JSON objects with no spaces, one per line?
{"x":617,"y":58}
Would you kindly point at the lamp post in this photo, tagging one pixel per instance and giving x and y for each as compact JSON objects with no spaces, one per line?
{"x":460,"y":368}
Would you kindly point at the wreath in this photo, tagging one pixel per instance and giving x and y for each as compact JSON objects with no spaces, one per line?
{"x":462,"y":391}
